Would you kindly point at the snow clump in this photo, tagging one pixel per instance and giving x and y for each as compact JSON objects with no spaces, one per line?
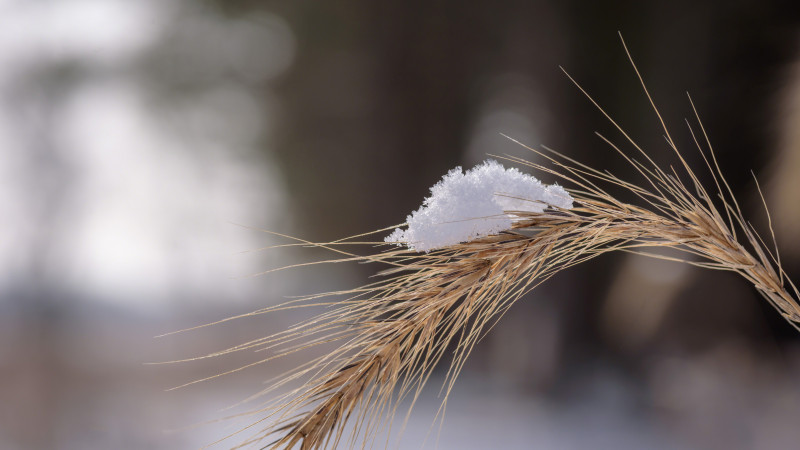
{"x":466,"y":206}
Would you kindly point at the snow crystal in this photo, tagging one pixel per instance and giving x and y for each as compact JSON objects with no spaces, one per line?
{"x":481,"y":202}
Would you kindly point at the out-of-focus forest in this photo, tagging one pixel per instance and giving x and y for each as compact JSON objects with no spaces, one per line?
{"x":144,"y":146}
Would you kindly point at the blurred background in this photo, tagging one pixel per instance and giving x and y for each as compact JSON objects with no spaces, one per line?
{"x":144,"y":145}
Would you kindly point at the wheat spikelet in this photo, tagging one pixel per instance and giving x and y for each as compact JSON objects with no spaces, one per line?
{"x":390,"y":334}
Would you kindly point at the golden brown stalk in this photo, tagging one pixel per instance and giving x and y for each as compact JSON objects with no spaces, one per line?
{"x":400,"y":330}
{"x":390,"y":334}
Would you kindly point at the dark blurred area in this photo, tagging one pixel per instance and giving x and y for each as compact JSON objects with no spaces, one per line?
{"x":146,"y":144}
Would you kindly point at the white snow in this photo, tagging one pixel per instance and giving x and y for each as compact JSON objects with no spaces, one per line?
{"x":481,"y":202}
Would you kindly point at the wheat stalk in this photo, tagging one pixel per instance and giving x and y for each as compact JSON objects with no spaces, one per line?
{"x":390,"y":334}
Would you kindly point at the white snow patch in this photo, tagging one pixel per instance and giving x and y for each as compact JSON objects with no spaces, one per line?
{"x":481,"y":202}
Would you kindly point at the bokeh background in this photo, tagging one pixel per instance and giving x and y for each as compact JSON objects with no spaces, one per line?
{"x":144,"y":145}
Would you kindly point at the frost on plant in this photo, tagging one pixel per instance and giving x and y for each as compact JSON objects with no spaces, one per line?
{"x":481,"y":202}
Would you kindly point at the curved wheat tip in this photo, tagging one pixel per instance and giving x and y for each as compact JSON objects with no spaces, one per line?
{"x":388,"y":335}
